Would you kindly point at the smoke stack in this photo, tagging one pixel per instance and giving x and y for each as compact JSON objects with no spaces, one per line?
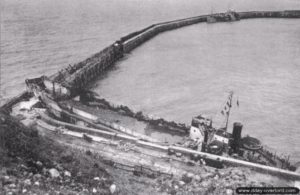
{"x":236,"y":135}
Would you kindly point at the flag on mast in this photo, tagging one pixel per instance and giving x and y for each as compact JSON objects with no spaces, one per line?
{"x":227,"y":106}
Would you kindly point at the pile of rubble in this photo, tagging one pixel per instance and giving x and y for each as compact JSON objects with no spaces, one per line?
{"x":21,"y":176}
{"x":219,"y":181}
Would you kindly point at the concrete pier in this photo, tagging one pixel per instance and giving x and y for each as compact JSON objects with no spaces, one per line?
{"x":76,"y":77}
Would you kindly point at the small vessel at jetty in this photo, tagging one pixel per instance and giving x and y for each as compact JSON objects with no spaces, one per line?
{"x":221,"y":142}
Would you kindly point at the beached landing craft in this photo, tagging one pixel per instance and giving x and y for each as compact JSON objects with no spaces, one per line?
{"x":49,"y":106}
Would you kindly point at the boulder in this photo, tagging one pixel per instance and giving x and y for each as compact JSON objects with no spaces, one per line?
{"x":178,"y":154}
{"x":6,"y":180}
{"x":39,"y":163}
{"x":208,"y":175}
{"x":235,"y":177}
{"x":27,"y":182}
{"x":59,"y":167}
{"x":12,"y":185}
{"x":112,"y":188}
{"x":205,"y":184}
{"x":190,"y":175}
{"x":216,"y":177}
{"x":44,"y":171}
{"x":37,"y":176}
{"x":36,"y":183}
{"x":237,"y":172}
{"x":54,"y":173}
{"x":67,"y":173}
{"x":181,"y":183}
{"x":94,"y":190}
{"x":229,"y":192}
{"x":197,"y":178}
{"x":187,"y":178}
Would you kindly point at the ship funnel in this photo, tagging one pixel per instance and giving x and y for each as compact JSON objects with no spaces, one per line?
{"x":236,"y":135}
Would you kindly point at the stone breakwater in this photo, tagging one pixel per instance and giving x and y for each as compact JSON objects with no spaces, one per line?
{"x":70,"y":81}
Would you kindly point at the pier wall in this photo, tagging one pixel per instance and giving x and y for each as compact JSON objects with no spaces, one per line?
{"x":93,"y":66}
{"x":270,"y":14}
{"x":79,"y":75}
{"x":76,"y":77}
{"x":105,"y":57}
{"x":153,"y":30}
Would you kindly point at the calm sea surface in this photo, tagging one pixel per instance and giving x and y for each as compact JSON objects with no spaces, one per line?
{"x":176,"y":75}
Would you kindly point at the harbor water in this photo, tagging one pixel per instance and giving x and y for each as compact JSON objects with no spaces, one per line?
{"x":178,"y":74}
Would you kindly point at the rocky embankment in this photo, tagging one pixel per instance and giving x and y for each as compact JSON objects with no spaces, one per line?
{"x":32,"y":177}
{"x":32,"y":164}
{"x":219,"y":181}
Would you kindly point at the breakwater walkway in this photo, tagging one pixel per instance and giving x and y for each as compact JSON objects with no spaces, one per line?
{"x":70,"y":81}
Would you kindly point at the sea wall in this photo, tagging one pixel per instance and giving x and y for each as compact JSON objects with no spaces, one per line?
{"x":92,"y":67}
{"x":153,"y":30}
{"x":270,"y":14}
{"x":77,"y":76}
{"x":107,"y":55}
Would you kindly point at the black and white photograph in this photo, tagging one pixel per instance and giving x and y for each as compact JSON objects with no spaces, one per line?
{"x":137,"y":97}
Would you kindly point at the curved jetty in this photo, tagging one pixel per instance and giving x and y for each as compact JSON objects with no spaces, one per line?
{"x":48,"y":106}
{"x":72,"y":80}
